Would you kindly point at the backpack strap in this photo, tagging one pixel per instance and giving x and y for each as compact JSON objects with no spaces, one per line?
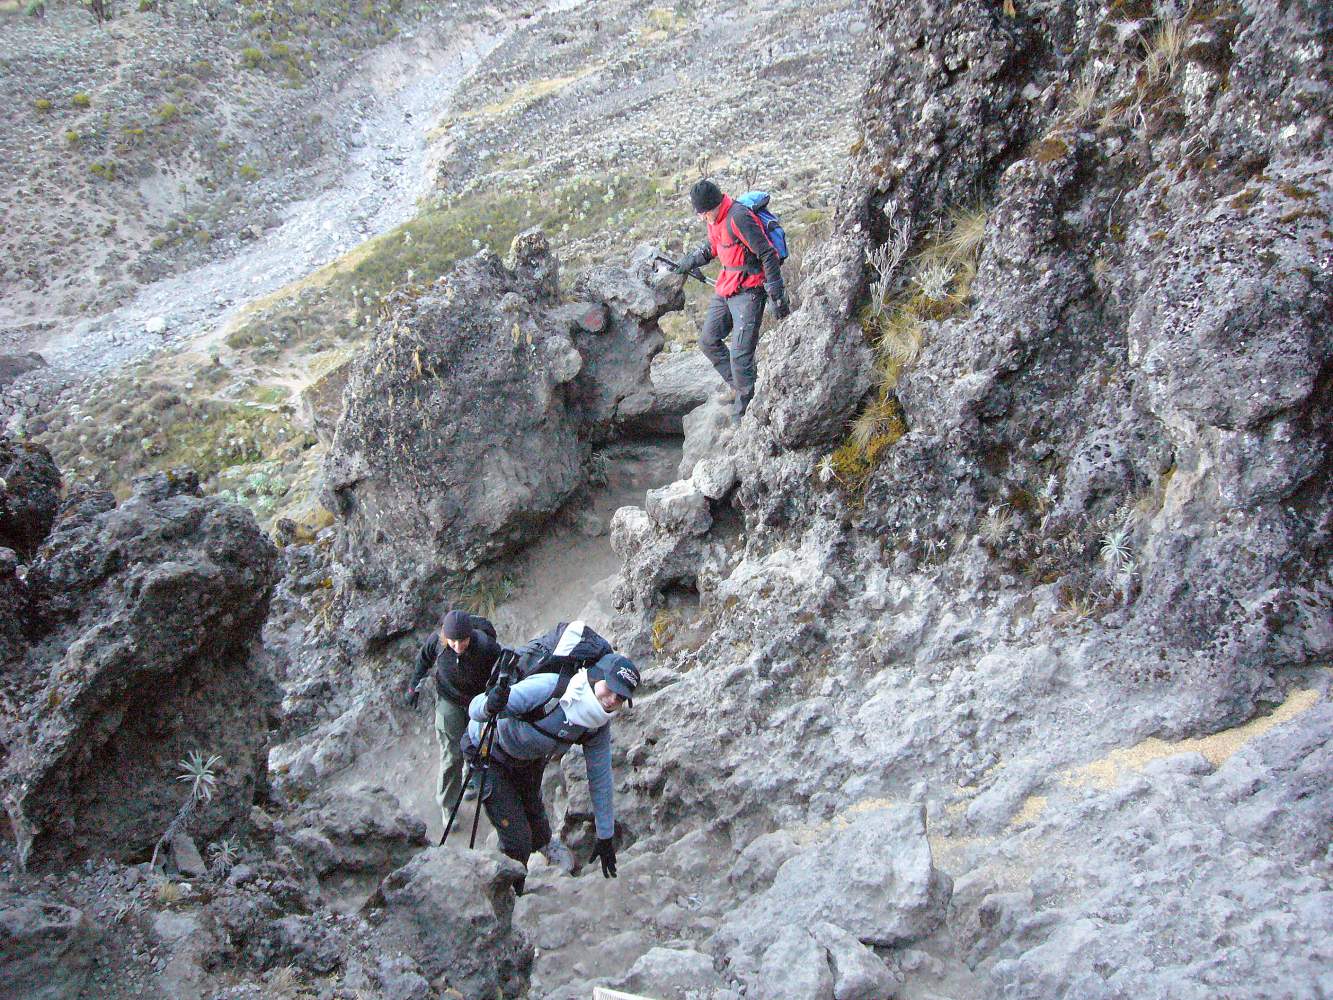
{"x":752,"y":264}
{"x":536,"y":716}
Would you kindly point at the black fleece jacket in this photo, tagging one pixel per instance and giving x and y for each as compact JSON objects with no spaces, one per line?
{"x":458,"y":679}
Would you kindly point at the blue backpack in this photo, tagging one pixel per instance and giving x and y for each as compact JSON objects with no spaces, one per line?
{"x":757,"y":202}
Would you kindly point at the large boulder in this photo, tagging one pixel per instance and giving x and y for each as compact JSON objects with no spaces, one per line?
{"x":682,"y":380}
{"x":467,"y":418}
{"x":360,"y":831}
{"x":452,"y":911}
{"x":874,"y":878}
{"x":146,"y":619}
{"x":613,"y":390}
{"x":47,"y":949}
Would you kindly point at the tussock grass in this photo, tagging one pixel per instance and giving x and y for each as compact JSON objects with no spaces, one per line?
{"x":938,"y":286}
{"x":1083,"y":98}
{"x":1165,"y":48}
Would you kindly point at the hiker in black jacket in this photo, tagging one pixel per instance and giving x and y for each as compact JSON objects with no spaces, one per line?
{"x":461,"y":656}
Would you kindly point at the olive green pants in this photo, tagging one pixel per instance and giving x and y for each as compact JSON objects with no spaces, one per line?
{"x":450,"y":724}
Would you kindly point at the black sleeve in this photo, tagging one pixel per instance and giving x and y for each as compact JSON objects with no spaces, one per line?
{"x":699,"y":256}
{"x":756,"y":240}
{"x":426,"y":658}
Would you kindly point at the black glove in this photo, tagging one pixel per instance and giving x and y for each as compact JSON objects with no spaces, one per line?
{"x":781,"y":307}
{"x":413,"y":696}
{"x":682,"y":266}
{"x":605,"y":851}
{"x":498,"y":697}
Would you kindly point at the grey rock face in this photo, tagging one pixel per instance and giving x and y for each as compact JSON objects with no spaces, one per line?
{"x":452,"y":912}
{"x":13,"y":607}
{"x":29,"y":495}
{"x":364,"y":830}
{"x":714,"y":477}
{"x":146,"y":615}
{"x":413,"y":468}
{"x":794,"y":967}
{"x":680,"y":508}
{"x":672,"y":974}
{"x":875,"y":879}
{"x":818,"y":364}
{"x":47,"y":949}
{"x":613,"y":390}
{"x":682,"y":380}
{"x":858,"y":973}
{"x":14,"y":365}
{"x":468,"y":417}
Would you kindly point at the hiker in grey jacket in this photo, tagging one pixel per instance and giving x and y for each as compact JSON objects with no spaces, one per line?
{"x":537,"y":723}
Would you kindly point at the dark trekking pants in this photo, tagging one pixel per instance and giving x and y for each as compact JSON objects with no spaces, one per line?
{"x":515,"y":808}
{"x":738,"y":317}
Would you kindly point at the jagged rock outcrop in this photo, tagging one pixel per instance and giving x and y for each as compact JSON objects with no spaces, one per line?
{"x":681,"y":382}
{"x":452,"y":912}
{"x":145,"y":620}
{"x":47,"y":949}
{"x":1062,"y":485}
{"x":467,"y":418}
{"x":875,"y":880}
{"x":360,"y":831}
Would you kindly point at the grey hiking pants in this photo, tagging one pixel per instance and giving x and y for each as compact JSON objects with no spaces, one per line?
{"x":738,"y":317}
{"x":450,"y":724}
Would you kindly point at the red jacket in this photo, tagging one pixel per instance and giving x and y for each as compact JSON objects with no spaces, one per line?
{"x":748,"y":257}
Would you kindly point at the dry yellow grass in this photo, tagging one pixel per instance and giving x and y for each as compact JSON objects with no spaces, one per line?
{"x":1217,"y":748}
{"x":1032,"y":808}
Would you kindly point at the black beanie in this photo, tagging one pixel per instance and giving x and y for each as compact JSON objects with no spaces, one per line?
{"x":705,"y":196}
{"x":457,"y":625}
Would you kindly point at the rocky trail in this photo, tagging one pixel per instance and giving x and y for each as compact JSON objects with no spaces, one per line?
{"x":565,"y":575}
{"x":986,"y":657}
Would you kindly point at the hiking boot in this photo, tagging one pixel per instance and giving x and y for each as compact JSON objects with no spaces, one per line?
{"x":473,"y":787}
{"x":559,"y":856}
{"x":726,"y":394}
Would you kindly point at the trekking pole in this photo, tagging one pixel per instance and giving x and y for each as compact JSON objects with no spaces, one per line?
{"x":505,"y":666}
{"x":487,"y":734}
{"x":693,"y":272}
{"x":484,"y":755}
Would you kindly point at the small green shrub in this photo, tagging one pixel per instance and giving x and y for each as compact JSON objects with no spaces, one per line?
{"x":35,"y":8}
{"x":167,"y":112}
{"x":71,"y":136}
{"x":42,"y":104}
{"x":252,"y":58}
{"x":81,"y":100}
{"x":103,"y":169}
{"x":248,"y":172}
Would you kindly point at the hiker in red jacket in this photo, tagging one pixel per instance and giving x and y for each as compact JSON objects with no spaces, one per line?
{"x":751,"y":271}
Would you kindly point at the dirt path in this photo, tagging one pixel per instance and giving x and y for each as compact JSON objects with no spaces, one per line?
{"x":563,"y":576}
{"x":388,"y":171}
